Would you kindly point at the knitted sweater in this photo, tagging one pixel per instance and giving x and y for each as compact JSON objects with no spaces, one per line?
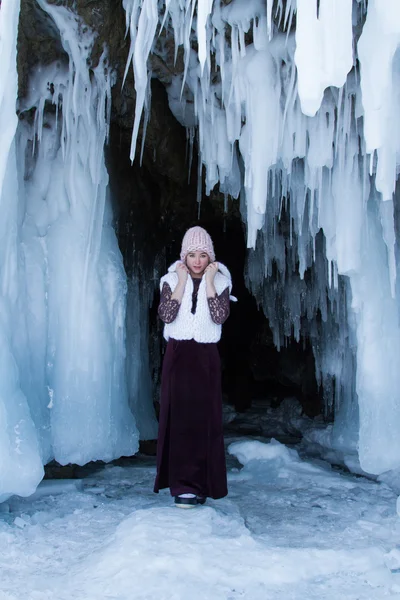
{"x":219,"y":304}
{"x":198,"y":326}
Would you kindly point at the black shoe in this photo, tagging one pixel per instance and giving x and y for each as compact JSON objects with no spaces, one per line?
{"x":185,"y":502}
{"x":201,"y":499}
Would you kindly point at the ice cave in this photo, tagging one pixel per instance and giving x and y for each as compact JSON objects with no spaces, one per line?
{"x":272,"y":123}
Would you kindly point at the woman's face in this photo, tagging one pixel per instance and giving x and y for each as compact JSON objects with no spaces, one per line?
{"x":196,"y":262}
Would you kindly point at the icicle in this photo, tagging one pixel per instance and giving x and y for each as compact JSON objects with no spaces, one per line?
{"x":203,"y":13}
{"x":146,"y":117}
{"x":324,"y":53}
{"x":387,"y":220}
{"x":142,"y":26}
{"x":132,"y":8}
{"x":269,"y":18}
{"x":190,"y":135}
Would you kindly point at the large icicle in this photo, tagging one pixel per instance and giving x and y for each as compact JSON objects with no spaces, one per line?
{"x":324,"y":48}
{"x":142,"y":25}
{"x":20,"y":460}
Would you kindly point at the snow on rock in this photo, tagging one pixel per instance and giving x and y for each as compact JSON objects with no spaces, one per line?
{"x":254,"y":450}
{"x":273,"y":462}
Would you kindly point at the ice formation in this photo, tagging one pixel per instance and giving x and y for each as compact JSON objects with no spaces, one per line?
{"x":304,"y":126}
{"x":63,"y":381}
{"x":20,"y":460}
{"x":70,"y":245}
{"x":294,"y":107}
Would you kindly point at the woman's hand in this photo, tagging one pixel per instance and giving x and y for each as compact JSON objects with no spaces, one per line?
{"x":182,"y":271}
{"x":211,"y":271}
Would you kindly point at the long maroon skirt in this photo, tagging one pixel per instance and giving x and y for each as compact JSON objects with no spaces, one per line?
{"x":190,"y":447}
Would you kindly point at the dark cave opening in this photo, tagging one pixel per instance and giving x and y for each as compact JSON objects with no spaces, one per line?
{"x":153,"y":211}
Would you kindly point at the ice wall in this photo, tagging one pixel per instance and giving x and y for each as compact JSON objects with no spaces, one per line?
{"x":287,"y":119}
{"x":76,"y":284}
{"x":63,"y":288}
{"x":20,"y":457}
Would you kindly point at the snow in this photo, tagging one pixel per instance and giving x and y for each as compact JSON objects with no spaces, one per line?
{"x":248,"y":451}
{"x":288,"y":529}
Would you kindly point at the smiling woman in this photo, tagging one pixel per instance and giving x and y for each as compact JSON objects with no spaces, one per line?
{"x":197,"y":262}
{"x":194,"y":304}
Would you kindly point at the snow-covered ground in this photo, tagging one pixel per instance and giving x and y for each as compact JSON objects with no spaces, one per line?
{"x":289,"y":529}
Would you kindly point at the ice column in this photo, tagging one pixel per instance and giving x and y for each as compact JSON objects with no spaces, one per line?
{"x":20,"y":459}
{"x":378,"y":349}
{"x":76,"y":280}
{"x":374,"y":300}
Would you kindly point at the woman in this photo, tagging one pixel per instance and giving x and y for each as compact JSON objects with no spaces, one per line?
{"x":194,"y":304}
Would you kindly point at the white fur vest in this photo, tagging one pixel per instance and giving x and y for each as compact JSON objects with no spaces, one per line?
{"x":198,"y":326}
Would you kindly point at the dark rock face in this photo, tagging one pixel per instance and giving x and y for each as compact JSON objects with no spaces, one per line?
{"x":155,"y":202}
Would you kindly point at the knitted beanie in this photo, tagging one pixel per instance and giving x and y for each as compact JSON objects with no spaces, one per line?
{"x":197,"y":238}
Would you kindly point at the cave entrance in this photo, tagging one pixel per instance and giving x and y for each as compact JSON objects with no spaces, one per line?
{"x":154,"y":203}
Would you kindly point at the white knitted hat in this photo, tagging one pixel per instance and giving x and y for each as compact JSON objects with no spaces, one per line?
{"x":197,"y":238}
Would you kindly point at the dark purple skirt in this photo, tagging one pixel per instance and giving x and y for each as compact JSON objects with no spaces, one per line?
{"x":190,"y":447}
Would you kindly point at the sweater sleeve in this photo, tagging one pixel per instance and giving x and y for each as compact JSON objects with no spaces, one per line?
{"x":168,"y":309}
{"x":219,"y":307}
